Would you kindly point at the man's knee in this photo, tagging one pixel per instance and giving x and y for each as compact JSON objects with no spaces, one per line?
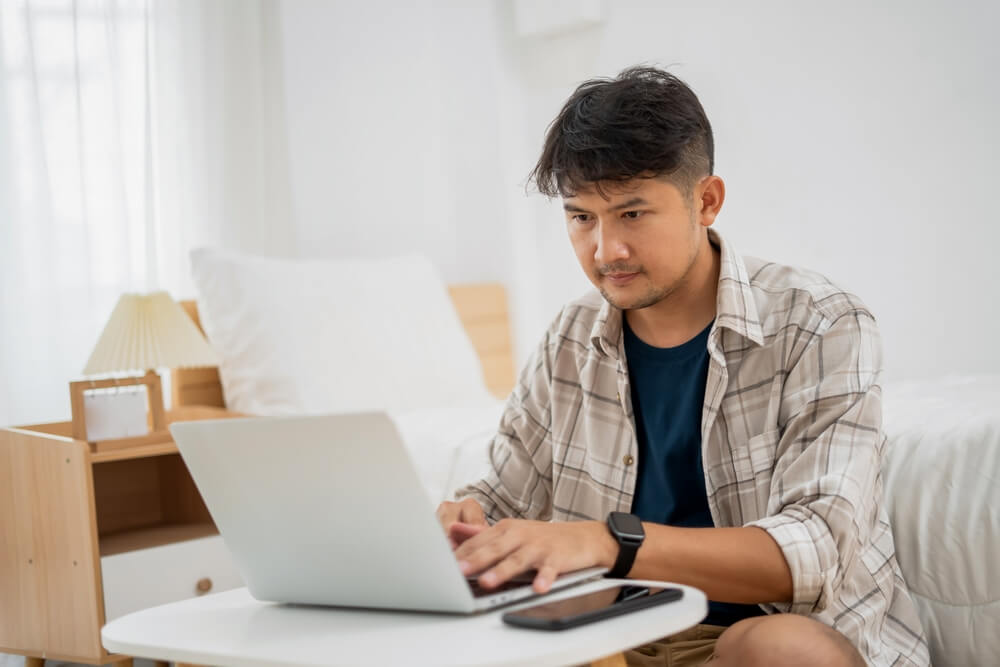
{"x":784,"y":639}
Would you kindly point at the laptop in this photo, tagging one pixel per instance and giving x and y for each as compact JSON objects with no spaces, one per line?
{"x":329,"y":510}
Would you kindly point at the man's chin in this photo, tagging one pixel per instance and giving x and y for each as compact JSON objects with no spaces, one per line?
{"x":628,"y":301}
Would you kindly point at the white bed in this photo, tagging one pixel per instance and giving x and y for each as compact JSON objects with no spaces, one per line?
{"x":942,"y":488}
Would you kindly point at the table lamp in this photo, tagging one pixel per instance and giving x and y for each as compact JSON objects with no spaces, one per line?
{"x":144,"y":332}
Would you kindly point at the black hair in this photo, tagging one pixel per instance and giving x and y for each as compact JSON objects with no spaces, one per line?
{"x":643,"y":123}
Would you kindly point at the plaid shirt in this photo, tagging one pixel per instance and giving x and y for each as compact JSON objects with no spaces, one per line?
{"x":792,"y":441}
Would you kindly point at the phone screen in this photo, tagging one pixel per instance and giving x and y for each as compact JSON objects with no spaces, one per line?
{"x":583,"y":604}
{"x":589,"y":607}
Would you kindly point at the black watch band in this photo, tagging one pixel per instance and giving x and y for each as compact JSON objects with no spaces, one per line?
{"x":628,"y":532}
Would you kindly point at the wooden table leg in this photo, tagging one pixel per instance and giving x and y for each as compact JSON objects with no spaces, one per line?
{"x":34,"y":662}
{"x":616,"y":660}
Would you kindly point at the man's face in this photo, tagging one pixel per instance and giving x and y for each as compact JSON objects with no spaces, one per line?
{"x":636,"y":243}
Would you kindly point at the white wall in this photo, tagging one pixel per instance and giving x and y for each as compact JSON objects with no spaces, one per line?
{"x":856,"y":140}
{"x":392,"y":128}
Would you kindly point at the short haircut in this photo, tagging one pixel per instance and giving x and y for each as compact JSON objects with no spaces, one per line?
{"x":643,"y":123}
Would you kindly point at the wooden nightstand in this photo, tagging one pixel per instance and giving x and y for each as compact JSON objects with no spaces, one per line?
{"x":88,"y":536}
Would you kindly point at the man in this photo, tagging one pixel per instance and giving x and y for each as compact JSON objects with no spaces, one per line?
{"x":732,"y":406}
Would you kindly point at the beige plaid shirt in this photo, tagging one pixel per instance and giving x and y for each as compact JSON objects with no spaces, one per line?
{"x":791,"y":441}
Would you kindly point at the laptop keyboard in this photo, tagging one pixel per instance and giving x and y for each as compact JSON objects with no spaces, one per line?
{"x":519,"y":581}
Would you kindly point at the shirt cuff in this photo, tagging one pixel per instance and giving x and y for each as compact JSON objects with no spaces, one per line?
{"x":801,"y":541}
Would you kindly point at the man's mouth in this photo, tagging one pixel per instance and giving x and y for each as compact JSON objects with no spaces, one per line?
{"x":620,"y":278}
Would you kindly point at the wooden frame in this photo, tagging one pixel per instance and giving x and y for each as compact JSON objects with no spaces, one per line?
{"x":158,"y":424}
{"x":481,"y":307}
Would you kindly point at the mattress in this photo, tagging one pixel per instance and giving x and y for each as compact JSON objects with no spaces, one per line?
{"x":942,"y":488}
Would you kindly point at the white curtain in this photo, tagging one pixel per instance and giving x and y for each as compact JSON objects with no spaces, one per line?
{"x":130,"y":131}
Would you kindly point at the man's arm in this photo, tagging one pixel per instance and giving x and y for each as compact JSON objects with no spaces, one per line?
{"x":519,"y":481}
{"x":728,"y":564}
{"x":822,"y":500}
{"x":825,"y":489}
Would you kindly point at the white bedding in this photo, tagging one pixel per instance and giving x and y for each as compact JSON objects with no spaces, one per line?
{"x":448,"y":445}
{"x":942,"y":488}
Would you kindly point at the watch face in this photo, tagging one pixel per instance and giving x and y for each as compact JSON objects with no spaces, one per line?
{"x":627,"y":525}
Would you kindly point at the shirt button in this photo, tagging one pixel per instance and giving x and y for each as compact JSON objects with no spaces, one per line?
{"x":628,"y":460}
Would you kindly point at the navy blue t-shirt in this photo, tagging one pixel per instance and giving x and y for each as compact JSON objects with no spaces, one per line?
{"x":668,"y":391}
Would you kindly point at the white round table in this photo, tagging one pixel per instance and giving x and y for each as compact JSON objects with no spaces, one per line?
{"x":232,"y":628}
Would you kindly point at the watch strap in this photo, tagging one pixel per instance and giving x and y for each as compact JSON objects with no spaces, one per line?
{"x":627,"y":550}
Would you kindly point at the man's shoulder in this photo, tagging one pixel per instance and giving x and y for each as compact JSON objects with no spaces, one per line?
{"x":788,"y":292}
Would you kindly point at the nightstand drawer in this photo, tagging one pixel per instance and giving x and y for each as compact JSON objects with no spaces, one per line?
{"x":148,"y":577}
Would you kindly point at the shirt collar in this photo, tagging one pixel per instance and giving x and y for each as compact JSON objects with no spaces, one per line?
{"x":735,"y":308}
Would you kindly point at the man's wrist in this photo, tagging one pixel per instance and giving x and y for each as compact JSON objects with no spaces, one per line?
{"x":605,"y":543}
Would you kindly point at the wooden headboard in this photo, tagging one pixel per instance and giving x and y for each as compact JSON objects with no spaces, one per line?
{"x":481,"y":307}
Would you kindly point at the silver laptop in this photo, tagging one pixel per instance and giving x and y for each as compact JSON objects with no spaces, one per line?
{"x":330,"y":510}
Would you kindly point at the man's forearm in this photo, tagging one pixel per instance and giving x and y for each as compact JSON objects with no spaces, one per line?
{"x":729,"y":564}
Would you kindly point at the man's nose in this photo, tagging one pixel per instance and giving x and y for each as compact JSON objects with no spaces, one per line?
{"x":610,"y":246}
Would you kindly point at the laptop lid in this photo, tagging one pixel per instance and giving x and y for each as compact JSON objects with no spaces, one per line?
{"x":327,"y":510}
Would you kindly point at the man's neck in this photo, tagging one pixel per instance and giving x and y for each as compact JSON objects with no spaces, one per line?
{"x":687,"y":311}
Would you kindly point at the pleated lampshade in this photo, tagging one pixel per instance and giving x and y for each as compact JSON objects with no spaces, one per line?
{"x":147,"y":331}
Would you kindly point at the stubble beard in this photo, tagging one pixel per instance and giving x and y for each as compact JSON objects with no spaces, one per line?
{"x":652,"y":296}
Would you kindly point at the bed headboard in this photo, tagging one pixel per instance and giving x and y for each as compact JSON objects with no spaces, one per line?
{"x":482,"y":308}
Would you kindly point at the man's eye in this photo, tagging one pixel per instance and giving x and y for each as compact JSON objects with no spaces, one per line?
{"x":631,"y":215}
{"x":581,"y":217}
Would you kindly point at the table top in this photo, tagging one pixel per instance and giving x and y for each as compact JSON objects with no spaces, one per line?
{"x":232,"y":628}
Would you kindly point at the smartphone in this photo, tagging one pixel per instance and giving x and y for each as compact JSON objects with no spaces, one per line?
{"x":590,"y":607}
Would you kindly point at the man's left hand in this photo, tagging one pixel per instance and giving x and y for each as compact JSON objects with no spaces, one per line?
{"x":513,"y":546}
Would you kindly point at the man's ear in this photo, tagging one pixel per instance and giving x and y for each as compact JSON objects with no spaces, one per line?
{"x":709,"y":195}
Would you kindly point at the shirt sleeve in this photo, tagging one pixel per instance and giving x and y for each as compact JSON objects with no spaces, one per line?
{"x":825,"y":489}
{"x":519,"y":481}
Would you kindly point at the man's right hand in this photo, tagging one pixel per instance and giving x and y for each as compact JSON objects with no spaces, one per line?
{"x":466,"y":511}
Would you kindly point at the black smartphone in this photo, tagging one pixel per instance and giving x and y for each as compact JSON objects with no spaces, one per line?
{"x":590,"y":607}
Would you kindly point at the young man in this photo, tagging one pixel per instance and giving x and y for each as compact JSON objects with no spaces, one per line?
{"x":730,"y":406}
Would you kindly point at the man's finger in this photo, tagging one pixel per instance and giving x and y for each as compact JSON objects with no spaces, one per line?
{"x":459,"y":532}
{"x":514,"y":563}
{"x":485,"y":550}
{"x":447,"y":513}
{"x":471,"y":543}
{"x":543,"y":580}
{"x":472,"y":512}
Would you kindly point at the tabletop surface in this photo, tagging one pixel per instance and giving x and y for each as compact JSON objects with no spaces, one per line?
{"x":232,"y":628}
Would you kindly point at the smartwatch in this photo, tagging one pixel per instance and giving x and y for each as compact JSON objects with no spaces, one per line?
{"x":628,"y":532}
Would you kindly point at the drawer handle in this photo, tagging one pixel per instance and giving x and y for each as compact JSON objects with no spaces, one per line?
{"x":204,"y":585}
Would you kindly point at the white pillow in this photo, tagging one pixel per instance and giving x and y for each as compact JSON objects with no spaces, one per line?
{"x":325,"y":336}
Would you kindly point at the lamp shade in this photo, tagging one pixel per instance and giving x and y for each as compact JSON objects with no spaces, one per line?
{"x":147,"y":331}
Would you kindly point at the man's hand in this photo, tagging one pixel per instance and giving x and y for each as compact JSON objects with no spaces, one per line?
{"x":467,"y":512}
{"x":514,"y":546}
